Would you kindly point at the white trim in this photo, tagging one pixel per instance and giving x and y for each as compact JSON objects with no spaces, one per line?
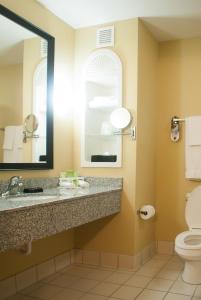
{"x":115,"y":58}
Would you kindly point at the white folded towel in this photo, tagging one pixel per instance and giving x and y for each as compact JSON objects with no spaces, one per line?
{"x":101,"y":101}
{"x":193,"y":148}
{"x":9,"y":137}
{"x":19,"y":137}
{"x":13,"y":144}
{"x":193,"y":131}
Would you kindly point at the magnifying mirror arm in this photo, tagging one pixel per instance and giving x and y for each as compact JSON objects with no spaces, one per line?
{"x":131,"y":132}
{"x":31,"y":136}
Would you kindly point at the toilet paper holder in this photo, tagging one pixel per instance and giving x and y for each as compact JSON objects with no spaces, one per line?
{"x":142,"y":212}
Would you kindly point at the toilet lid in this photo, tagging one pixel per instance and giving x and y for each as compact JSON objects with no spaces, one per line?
{"x":193,"y":209}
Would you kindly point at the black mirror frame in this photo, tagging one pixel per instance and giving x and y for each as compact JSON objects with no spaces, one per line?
{"x":50,"y":79}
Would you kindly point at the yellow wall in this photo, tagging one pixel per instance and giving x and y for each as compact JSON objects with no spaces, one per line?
{"x":64,"y":51}
{"x":113,"y":234}
{"x":10,"y":98}
{"x":179,"y":93}
{"x":146,"y":134}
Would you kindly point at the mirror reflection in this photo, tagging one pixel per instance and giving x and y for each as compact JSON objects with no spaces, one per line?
{"x":120,"y":118}
{"x":31,"y":123}
{"x":102,"y":93}
{"x":23,"y":94}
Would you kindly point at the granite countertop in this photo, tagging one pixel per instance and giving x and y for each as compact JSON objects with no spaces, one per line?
{"x":14,"y":203}
{"x":23,"y":219}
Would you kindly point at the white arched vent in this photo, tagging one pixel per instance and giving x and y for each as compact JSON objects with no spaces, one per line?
{"x":43,"y":48}
{"x":105,"y":37}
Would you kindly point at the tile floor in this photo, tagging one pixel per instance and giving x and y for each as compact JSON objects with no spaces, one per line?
{"x":159,"y":278}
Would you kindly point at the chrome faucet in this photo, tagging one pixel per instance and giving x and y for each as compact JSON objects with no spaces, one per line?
{"x":15,"y":186}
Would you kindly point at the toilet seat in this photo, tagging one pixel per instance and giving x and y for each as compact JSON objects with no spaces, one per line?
{"x":189,"y":240}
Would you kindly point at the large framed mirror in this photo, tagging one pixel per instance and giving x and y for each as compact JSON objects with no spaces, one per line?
{"x":26,"y":86}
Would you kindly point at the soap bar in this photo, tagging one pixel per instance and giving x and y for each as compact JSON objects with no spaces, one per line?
{"x":33,"y":190}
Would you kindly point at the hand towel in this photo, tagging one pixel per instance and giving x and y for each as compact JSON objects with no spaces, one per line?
{"x":193,"y":148}
{"x":13,"y":143}
{"x":193,"y":131}
{"x":9,"y":137}
{"x":18,"y":137}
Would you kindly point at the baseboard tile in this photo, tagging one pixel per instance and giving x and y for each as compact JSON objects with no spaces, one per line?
{"x":114,"y":260}
{"x":11,"y":285}
{"x":91,"y":258}
{"x":109,"y":260}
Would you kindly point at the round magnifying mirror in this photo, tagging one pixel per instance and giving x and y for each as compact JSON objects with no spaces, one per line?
{"x":31,"y":123}
{"x":120,"y":118}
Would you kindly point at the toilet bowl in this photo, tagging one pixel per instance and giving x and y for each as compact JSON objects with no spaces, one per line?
{"x":188,"y":243}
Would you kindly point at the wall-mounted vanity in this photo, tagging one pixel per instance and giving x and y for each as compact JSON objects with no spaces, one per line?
{"x":28,"y":217}
{"x":26,"y":79}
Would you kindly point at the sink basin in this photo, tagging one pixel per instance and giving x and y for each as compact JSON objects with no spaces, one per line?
{"x":31,"y":197}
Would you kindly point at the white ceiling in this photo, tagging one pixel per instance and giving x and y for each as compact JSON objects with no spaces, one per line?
{"x":11,"y":47}
{"x":167,"y":19}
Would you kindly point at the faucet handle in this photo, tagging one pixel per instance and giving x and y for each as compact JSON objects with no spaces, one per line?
{"x":14,"y":180}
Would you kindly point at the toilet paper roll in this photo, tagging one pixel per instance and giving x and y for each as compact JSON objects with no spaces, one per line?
{"x":150,"y":212}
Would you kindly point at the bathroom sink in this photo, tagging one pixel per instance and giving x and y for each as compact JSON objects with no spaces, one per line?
{"x":31,"y":197}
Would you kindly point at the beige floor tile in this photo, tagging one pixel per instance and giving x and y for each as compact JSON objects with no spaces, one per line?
{"x":164,"y":257}
{"x":119,"y":277}
{"x":46,"y":291}
{"x":50,"y":278}
{"x":99,"y":274}
{"x":180,"y":287}
{"x":176,"y":258}
{"x":147,"y":271}
{"x":68,"y":294}
{"x":178,"y":266}
{"x":151,"y":295}
{"x":155,"y":264}
{"x":127,"y":292}
{"x":84,"y":284}
{"x":198,"y":291}
{"x":171,"y":296}
{"x":105,"y":289}
{"x":111,"y":298}
{"x":196,"y":298}
{"x":65,"y":280}
{"x":168,"y":274}
{"x":93,"y":297}
{"x":78,"y":271}
{"x":159,"y":284}
{"x":138,"y":281}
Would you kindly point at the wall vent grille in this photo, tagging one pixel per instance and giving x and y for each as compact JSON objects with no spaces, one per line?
{"x":43,"y":48}
{"x":105,"y":37}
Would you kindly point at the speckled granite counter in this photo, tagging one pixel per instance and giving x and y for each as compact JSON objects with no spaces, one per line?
{"x":22,"y":220}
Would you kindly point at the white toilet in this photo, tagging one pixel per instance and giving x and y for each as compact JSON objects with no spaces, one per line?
{"x":188,"y":243}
